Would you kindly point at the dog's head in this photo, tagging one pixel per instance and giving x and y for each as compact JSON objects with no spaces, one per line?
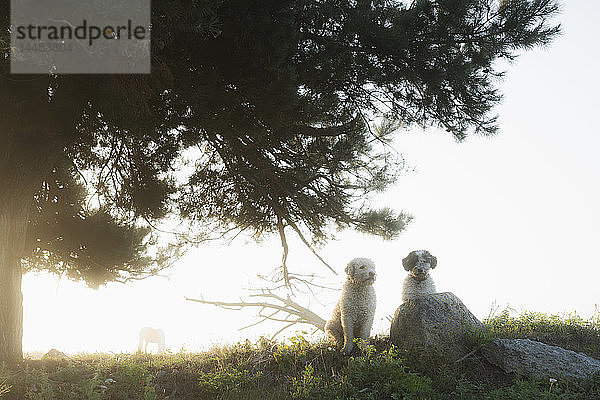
{"x":361,"y":270}
{"x":418,"y":263}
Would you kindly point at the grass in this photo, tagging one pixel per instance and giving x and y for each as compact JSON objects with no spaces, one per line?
{"x":301,"y":369}
{"x":570,"y":331}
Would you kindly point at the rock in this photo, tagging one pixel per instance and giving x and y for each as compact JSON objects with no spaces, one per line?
{"x":54,"y":354}
{"x":538,"y":360}
{"x":437,"y":320}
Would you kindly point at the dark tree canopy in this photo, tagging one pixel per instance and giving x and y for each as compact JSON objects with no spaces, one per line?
{"x":271,"y":104}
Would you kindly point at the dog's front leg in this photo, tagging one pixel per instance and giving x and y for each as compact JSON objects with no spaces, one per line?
{"x":348,"y":328}
{"x":365,"y":328}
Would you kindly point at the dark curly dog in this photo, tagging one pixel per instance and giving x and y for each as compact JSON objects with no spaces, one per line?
{"x":418,"y":282}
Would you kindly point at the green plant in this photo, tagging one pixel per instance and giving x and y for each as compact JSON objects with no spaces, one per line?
{"x":4,"y":388}
{"x":307,"y":385}
{"x":302,"y":370}
{"x":384,"y":375}
{"x":225,"y":381}
{"x":132,"y":379}
{"x":568,"y":330}
{"x":292,"y":355}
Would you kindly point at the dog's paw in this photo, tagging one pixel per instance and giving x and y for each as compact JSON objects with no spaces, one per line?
{"x":347,"y":350}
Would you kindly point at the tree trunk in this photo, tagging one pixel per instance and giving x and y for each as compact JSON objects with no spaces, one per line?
{"x":13,"y":226}
{"x":30,"y":144}
{"x":17,"y":186}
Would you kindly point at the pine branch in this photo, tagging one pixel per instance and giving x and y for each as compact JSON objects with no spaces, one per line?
{"x":310,"y":246}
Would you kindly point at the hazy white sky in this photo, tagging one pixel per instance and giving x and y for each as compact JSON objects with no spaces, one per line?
{"x":513,"y":219}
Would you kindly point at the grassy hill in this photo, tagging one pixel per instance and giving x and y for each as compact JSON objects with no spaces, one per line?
{"x":301,"y":369}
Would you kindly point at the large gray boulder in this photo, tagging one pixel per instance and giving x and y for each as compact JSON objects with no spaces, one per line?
{"x":437,"y":320}
{"x":538,"y":360}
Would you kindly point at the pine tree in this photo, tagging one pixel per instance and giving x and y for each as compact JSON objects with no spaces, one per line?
{"x":271,"y":104}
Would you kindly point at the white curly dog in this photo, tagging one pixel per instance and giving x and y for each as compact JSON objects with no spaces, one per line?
{"x":418,"y":283}
{"x":354,"y":312}
{"x":151,"y":335}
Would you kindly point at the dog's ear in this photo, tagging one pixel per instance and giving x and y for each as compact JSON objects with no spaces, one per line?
{"x":408,"y":262}
{"x":350,"y":268}
{"x":433,"y":261}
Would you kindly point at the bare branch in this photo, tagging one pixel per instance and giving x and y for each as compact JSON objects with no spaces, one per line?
{"x":284,"y":269}
{"x":305,"y":316}
{"x":284,"y":328}
{"x":255,"y":323}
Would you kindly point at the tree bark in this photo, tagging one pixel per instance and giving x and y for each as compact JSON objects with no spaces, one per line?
{"x":13,"y":227}
{"x":31,"y":143}
{"x":18,"y":184}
